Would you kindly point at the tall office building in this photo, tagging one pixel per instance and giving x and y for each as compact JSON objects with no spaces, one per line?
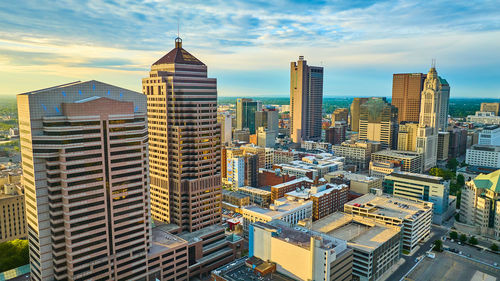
{"x":433,"y":116}
{"x":306,"y":101}
{"x":406,"y":90}
{"x":84,"y":148}
{"x":184,"y":141}
{"x":491,"y":107}
{"x":354,"y":113}
{"x":225,"y":120}
{"x":245,"y":114}
{"x":378,"y":121}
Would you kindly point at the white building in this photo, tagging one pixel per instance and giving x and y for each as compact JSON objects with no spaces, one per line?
{"x":225,"y":119}
{"x":290,"y":211}
{"x":488,"y":118}
{"x":313,"y":167}
{"x":483,"y":155}
{"x":236,"y":171}
{"x":266,"y":137}
{"x":490,"y":135}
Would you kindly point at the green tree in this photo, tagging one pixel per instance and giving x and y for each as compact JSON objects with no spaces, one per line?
{"x":473,"y":240}
{"x":460,"y":180}
{"x":438,"y":245}
{"x":457,"y":217}
{"x":463,"y":238}
{"x":454,"y":235}
{"x":13,"y":254}
{"x":494,"y":247}
{"x":452,"y":164}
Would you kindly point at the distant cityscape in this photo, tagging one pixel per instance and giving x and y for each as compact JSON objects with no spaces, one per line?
{"x":175,"y":183}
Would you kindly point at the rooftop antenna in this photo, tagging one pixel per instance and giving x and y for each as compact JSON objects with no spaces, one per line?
{"x":433,"y":63}
{"x":178,"y":29}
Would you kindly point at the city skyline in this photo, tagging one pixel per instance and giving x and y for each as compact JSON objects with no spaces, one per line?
{"x":250,"y":45}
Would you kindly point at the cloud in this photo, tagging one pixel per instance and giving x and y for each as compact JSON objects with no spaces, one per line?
{"x":97,"y":38}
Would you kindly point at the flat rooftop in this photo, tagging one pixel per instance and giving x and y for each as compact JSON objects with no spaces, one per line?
{"x":191,"y":237}
{"x":357,"y":231}
{"x":389,"y":206}
{"x":239,"y":271}
{"x":399,"y":153}
{"x":418,"y":177}
{"x":254,"y":190}
{"x":352,"y":176}
{"x":295,"y":181}
{"x":233,"y":194}
{"x":163,"y":240}
{"x":276,"y":210}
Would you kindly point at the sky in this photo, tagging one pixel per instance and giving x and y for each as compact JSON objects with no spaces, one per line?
{"x":248,"y":45}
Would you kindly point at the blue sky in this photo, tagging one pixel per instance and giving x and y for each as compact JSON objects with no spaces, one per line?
{"x":248,"y":45}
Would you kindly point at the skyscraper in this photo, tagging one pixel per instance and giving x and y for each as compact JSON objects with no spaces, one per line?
{"x":245,"y":114}
{"x":85,"y":172}
{"x":184,"y":141}
{"x":306,"y":101}
{"x":378,"y":121}
{"x":433,"y":116}
{"x":406,"y":90}
{"x":354,"y":113}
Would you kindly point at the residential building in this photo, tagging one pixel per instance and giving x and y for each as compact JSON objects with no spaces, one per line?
{"x":257,"y":150}
{"x":487,"y":118}
{"x":326,"y":198}
{"x":483,"y":155}
{"x":493,"y":107}
{"x":245,"y":114}
{"x":314,"y":145}
{"x":413,"y":216}
{"x":285,"y":156}
{"x":354,"y":113}
{"x":376,"y":246}
{"x":178,"y":83}
{"x":490,"y":135}
{"x":407,"y":136}
{"x":251,"y":169}
{"x":257,"y":196}
{"x":236,"y":171}
{"x":279,"y":190}
{"x":380,"y":169}
{"x":340,"y":115}
{"x":378,"y":121}
{"x":85,"y":174}
{"x":420,"y":187}
{"x":269,"y":158}
{"x":358,"y":183}
{"x":406,"y":90}
{"x":306,"y":101}
{"x":336,"y":134}
{"x":225,"y":121}
{"x":357,"y":152}
{"x":295,"y":252}
{"x":480,"y":204}
{"x":12,"y":220}
{"x":458,"y":142}
{"x":433,"y":116}
{"x":443,"y":146}
{"x":410,"y":161}
{"x":289,"y":211}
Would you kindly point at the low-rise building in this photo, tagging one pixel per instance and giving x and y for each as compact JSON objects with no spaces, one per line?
{"x":257,"y":196}
{"x":300,"y":253}
{"x":480,"y":206}
{"x":357,"y":152}
{"x":12,"y":216}
{"x":326,"y":198}
{"x":279,"y":190}
{"x":420,"y":187}
{"x":357,"y":183}
{"x":376,"y":246}
{"x":313,"y":167}
{"x":285,"y":156}
{"x":483,"y":155}
{"x":270,"y":177}
{"x":232,"y":200}
{"x":414,"y":217}
{"x":410,"y":161}
{"x":489,"y":135}
{"x":290,"y":211}
{"x":380,"y":169}
{"x":487,"y":118}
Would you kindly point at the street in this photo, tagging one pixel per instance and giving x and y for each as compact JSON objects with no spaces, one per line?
{"x":436,"y":233}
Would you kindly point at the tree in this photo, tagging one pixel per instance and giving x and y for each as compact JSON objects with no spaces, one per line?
{"x":473,"y":240}
{"x":13,"y":254}
{"x":438,"y":245}
{"x":463,"y":238}
{"x":460,"y":180}
{"x":454,"y":235}
{"x":494,"y":247}
{"x":452,"y":164}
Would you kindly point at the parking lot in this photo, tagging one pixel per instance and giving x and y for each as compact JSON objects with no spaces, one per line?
{"x":473,"y":252}
{"x":447,"y":266}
